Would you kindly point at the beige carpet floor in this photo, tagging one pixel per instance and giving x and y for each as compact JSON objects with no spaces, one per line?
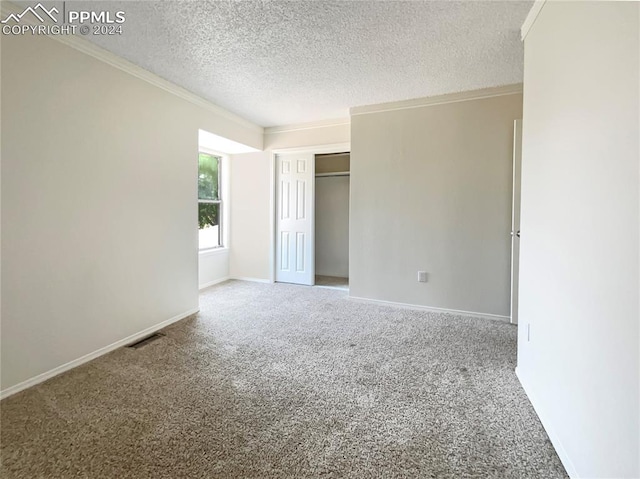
{"x":284,"y":381}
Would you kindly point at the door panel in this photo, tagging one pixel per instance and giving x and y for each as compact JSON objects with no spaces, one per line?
{"x":294,"y":222}
{"x":300,"y":200}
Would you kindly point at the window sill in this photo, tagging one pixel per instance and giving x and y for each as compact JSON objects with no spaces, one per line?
{"x":213,"y":251}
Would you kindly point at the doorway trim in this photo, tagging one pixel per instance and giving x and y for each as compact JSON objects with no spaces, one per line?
{"x":315,"y":150}
{"x":515,"y":220}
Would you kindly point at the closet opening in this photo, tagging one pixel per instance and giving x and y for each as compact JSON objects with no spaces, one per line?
{"x":332,"y":220}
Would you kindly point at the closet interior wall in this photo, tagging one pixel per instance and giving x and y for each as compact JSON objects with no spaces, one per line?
{"x":332,"y":215}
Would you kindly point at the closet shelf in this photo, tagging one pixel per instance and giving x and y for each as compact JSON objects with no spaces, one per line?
{"x":336,"y":173}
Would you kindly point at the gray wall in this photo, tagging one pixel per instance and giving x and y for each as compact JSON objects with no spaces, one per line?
{"x":99,"y":193}
{"x":332,"y":226}
{"x":332,"y":163}
{"x":579,"y":252}
{"x":431,"y":190}
{"x":251,"y":216}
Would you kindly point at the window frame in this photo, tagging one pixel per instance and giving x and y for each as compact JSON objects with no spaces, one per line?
{"x":219,"y":201}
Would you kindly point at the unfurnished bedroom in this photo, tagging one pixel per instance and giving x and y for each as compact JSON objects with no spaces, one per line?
{"x":304,"y":239}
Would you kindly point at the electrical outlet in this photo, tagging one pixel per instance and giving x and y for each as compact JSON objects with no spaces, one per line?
{"x":422,"y":276}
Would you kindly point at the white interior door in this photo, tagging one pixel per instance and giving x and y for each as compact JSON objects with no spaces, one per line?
{"x":295,"y":218}
{"x":515,"y":218}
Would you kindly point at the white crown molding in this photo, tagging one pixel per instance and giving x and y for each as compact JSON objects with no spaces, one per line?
{"x":307,"y":126}
{"x":531,"y":18}
{"x":514,"y":89}
{"x":109,"y":58}
{"x":93,"y":355}
{"x":315,"y":149}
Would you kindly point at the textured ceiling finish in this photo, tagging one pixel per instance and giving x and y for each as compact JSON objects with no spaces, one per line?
{"x":276,"y":62}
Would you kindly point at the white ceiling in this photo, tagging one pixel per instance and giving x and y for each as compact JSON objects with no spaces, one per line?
{"x":278,"y":63}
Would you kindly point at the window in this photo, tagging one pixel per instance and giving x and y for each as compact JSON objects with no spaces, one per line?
{"x":209,"y":201}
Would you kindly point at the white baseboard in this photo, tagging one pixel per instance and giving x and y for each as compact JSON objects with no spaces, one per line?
{"x":88,"y":357}
{"x":211,"y":283}
{"x":472,"y":314}
{"x":254,"y":280}
{"x":553,"y":437}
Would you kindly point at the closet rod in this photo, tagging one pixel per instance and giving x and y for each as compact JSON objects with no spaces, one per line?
{"x":337,"y":173}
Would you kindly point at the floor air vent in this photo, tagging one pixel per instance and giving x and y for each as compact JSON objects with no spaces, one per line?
{"x":145,"y":341}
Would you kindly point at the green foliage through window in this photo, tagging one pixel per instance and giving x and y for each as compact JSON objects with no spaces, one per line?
{"x":208,"y":214}
{"x":209,"y":192}
{"x":208,"y":177}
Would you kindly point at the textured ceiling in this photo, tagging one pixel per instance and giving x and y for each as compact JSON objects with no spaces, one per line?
{"x":277,"y":63}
